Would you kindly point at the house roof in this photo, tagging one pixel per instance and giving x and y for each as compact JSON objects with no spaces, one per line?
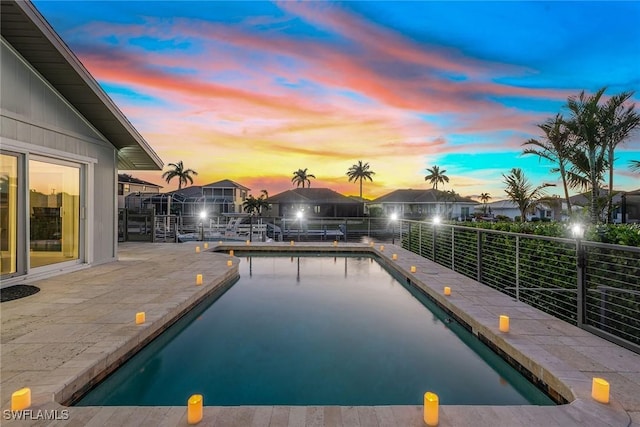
{"x":510,"y":204}
{"x":583,"y":199}
{"x":419,"y":196}
{"x":311,"y":195}
{"x":32,"y":37}
{"x":129,"y":179}
{"x":225,"y":183}
{"x":192,"y":191}
{"x":502,"y":204}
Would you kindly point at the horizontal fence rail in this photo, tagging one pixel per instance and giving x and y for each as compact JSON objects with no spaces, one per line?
{"x":592,"y":285}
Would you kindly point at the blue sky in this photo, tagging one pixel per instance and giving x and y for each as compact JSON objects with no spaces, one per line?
{"x":252,"y":91}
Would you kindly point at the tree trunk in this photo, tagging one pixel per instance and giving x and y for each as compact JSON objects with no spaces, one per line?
{"x":361,"y":188}
{"x":595,"y":191}
{"x":566,"y":189}
{"x":610,"y":198}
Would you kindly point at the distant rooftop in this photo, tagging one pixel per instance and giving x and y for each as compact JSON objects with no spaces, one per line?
{"x":123,"y":177}
{"x":307,"y":195}
{"x":419,"y":196}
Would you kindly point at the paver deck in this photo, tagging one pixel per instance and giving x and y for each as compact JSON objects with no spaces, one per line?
{"x":81,"y":324}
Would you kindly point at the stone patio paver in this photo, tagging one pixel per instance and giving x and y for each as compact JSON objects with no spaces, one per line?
{"x":80,"y":325}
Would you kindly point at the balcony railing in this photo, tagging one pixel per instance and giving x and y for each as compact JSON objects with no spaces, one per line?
{"x":592,"y":285}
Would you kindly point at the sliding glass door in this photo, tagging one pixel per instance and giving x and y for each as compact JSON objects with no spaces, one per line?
{"x":54,"y":212}
{"x":8,"y":213}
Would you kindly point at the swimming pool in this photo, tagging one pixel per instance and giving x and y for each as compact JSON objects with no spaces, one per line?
{"x":316,"y":330}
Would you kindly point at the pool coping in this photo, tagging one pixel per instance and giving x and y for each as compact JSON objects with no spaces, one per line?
{"x":468,"y":303}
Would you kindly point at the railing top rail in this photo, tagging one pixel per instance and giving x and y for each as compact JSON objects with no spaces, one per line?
{"x":625,"y":248}
{"x":507,"y":233}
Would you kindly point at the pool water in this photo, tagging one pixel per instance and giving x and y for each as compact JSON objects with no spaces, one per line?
{"x":316,"y":331}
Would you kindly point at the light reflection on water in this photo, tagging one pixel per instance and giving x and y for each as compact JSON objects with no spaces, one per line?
{"x":316,"y":331}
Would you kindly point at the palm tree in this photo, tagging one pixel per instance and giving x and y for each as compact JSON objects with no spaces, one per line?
{"x":449,"y":196}
{"x":255,"y":205}
{"x":634,"y":165}
{"x":300,"y":177}
{"x":484,"y":198}
{"x":586,"y":129}
{"x":521,"y":192}
{"x":184,"y":175}
{"x":250,"y":205}
{"x":436,"y":176}
{"x":618,"y":121}
{"x":556,"y":148}
{"x":359,"y":172}
{"x":261,"y":202}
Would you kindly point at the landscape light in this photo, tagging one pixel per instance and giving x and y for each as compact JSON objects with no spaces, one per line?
{"x":577,"y":230}
{"x":436,"y":220}
{"x":394,"y":216}
{"x":203,"y":214}
{"x":299,"y":215}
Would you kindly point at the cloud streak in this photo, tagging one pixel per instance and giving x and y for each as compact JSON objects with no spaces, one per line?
{"x":309,"y":84}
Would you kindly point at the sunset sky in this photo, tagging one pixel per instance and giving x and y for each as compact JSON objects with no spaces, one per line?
{"x":251,"y":91}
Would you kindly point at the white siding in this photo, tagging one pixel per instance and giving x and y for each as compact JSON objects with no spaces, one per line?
{"x":34,"y":114}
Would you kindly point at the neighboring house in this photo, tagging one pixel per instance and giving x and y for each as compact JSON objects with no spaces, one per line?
{"x":630,"y":207}
{"x":421,"y":204}
{"x":215,"y":199}
{"x":580,"y":203}
{"x":130,"y":185}
{"x":315,"y":203}
{"x":62,"y":143}
{"x":510,"y":209}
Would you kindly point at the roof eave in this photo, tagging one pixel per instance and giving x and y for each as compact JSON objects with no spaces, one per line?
{"x":134,"y":153}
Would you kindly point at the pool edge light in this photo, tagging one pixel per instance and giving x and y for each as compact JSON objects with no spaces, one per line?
{"x":431,"y":409}
{"x":194,"y":409}
{"x":21,"y":399}
{"x":140,"y":318}
{"x":600,"y":390}
{"x":504,"y":323}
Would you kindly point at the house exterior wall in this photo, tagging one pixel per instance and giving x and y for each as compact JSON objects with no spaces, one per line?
{"x":37,"y":121}
{"x":317,"y":210}
{"x":424,"y":210}
{"x":126,"y":188}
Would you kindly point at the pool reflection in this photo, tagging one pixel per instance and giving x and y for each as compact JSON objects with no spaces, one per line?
{"x":317,"y":331}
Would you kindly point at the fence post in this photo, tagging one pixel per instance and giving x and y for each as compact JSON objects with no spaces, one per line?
{"x":453,"y":248}
{"x":435,"y":233}
{"x":517,"y":268}
{"x":479,"y":256}
{"x":581,"y":290}
{"x":153,"y":225}
{"x":420,"y":238}
{"x":345,"y":229}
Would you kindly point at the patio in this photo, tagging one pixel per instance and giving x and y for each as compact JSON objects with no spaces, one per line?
{"x":66,"y":337}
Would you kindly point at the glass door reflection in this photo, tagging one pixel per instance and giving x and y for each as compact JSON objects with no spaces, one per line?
{"x":54,"y":201}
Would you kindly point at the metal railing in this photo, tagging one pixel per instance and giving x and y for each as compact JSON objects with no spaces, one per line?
{"x":592,"y":285}
{"x":167,"y":228}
